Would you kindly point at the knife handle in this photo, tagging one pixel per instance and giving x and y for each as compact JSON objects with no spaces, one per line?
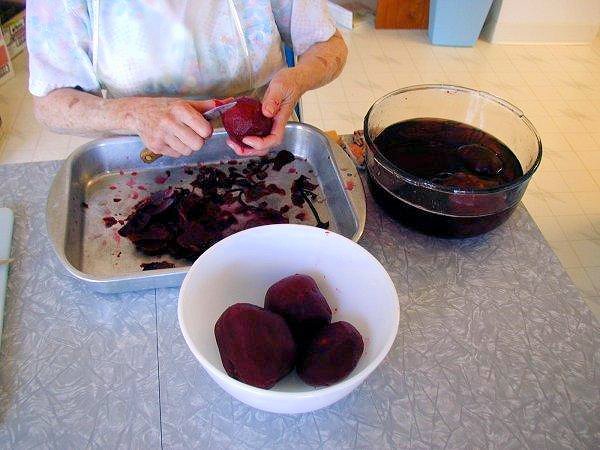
{"x":148,"y":156}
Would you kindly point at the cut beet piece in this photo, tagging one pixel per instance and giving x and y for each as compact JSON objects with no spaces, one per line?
{"x":331,"y":355}
{"x":246,"y":119}
{"x":256,"y":345}
{"x":299,"y":301}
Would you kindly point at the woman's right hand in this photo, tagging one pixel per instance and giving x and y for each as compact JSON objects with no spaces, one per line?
{"x":171,"y":126}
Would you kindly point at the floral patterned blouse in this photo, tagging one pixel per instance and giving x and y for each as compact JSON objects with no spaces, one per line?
{"x":195,"y":48}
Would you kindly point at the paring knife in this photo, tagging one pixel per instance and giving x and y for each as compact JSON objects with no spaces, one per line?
{"x":149,"y":156}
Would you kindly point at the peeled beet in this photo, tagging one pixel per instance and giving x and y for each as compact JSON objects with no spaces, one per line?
{"x":256,"y":345}
{"x":299,"y":301}
{"x":331,"y":355}
{"x":246,"y":119}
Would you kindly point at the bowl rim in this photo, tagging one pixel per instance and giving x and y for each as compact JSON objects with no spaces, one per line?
{"x":422,"y":182}
{"x":267,"y":394}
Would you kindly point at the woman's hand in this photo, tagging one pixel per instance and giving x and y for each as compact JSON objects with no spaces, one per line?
{"x":283,"y":93}
{"x":170,"y":126}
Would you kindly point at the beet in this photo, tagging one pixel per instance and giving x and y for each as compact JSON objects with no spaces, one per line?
{"x":331,"y":355}
{"x":155,"y":265}
{"x":465,"y":181}
{"x":246,"y":119}
{"x":256,"y":345}
{"x":299,"y":301}
{"x":480,"y":159}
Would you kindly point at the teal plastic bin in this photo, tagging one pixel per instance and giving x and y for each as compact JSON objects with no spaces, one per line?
{"x":457,"y":22}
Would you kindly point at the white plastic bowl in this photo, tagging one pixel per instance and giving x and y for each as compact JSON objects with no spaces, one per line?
{"x":241,"y":268}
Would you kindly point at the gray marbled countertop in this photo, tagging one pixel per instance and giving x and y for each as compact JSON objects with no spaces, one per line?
{"x":495,"y":349}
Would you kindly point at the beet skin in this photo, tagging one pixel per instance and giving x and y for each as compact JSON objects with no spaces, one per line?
{"x":331,"y":355}
{"x":246,"y":119}
{"x":256,"y":345}
{"x":299,"y":301}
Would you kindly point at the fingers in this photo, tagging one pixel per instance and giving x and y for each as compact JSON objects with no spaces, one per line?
{"x":202,"y":105}
{"x":191,"y":116}
{"x":272,"y":100}
{"x":223,"y":101}
{"x":179,"y":147}
{"x":244,"y":151}
{"x":187,"y":136}
{"x":166,"y":151}
{"x":263,"y":144}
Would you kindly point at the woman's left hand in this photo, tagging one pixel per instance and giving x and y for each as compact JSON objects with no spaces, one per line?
{"x":283,"y":93}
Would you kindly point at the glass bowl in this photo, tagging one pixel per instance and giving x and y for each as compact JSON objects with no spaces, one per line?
{"x":428,"y":207}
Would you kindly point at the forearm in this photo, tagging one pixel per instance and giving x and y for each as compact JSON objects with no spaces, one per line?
{"x":322,"y":62}
{"x":75,"y":112}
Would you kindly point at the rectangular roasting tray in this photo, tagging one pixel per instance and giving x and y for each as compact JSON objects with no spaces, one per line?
{"x":84,"y":190}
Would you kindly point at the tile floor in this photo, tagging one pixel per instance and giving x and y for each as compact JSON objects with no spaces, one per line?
{"x":558,"y":87}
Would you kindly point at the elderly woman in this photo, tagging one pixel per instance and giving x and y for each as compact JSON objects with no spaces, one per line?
{"x":151,"y":67}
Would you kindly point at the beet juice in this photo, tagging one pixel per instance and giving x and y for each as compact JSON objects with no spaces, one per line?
{"x":455,"y":157}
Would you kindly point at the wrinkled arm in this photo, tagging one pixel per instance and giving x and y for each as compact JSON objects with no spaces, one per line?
{"x":322,"y":63}
{"x":75,"y":112}
{"x":167,"y":126}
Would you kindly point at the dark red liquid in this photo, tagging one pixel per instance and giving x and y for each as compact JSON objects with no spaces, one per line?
{"x":452,"y":155}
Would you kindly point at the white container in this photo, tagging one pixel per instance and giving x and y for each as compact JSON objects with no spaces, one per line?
{"x":241,"y":268}
{"x":542,"y":21}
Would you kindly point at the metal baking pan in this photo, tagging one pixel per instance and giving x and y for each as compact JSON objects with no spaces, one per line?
{"x":85,"y":188}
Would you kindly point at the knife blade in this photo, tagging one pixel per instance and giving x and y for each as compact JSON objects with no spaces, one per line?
{"x":149,"y":156}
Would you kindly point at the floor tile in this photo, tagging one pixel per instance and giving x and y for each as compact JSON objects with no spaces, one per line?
{"x":588,"y":252}
{"x":581,"y":142}
{"x":566,"y":254}
{"x":580,"y":181}
{"x":593,"y":274}
{"x":589,"y":202}
{"x":590,"y":160}
{"x":536,"y":205}
{"x":563,"y":204}
{"x":551,"y":229}
{"x":581,"y":279}
{"x":551,"y":181}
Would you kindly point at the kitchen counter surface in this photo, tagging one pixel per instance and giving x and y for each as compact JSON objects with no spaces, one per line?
{"x":495,"y":349}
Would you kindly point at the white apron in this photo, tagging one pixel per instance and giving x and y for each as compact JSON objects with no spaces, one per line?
{"x":199,"y":48}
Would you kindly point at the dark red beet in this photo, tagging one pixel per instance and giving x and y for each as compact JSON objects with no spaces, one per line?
{"x":331,"y":355}
{"x":299,"y":301}
{"x":466,"y":181}
{"x":471,"y":203}
{"x":246,"y":119}
{"x":256,"y":345}
{"x":480,"y":159}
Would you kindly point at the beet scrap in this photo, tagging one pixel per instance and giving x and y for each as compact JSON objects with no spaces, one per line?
{"x":299,"y":301}
{"x":155,"y":265}
{"x":246,"y":119}
{"x":256,"y":345}
{"x":331,"y":355}
{"x":109,"y":221}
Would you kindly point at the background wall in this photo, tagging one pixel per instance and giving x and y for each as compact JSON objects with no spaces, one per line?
{"x":557,"y":21}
